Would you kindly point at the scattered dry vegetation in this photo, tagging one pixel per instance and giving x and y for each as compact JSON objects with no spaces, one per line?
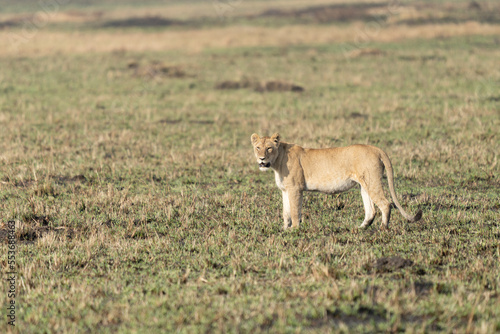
{"x":125,"y":161}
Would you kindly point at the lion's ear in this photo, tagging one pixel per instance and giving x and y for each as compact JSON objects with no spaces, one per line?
{"x":276,"y":138}
{"x":255,"y":138}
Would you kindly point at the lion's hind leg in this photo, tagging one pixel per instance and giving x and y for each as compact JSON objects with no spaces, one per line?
{"x":369,"y":209}
{"x":383,"y":204}
{"x":374,"y":193}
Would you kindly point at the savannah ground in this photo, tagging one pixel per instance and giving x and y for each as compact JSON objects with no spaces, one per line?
{"x":126,"y":163}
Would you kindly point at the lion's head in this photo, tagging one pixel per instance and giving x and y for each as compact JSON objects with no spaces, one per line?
{"x":265,"y":150}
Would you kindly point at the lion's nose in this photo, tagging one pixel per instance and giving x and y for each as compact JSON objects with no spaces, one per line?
{"x":262,"y":158}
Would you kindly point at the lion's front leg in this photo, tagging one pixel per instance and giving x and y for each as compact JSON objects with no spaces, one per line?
{"x":287,"y":216}
{"x":294,"y":201}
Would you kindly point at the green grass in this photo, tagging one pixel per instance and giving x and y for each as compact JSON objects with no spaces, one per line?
{"x":140,"y":207}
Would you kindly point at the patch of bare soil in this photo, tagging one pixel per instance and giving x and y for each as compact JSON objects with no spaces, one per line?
{"x":367,"y":52}
{"x":364,"y":314}
{"x":423,"y":59}
{"x":233,"y":84}
{"x":10,"y":23}
{"x":390,"y":264}
{"x":33,"y":228}
{"x":157,"y":69}
{"x":278,"y":86}
{"x":423,"y":288}
{"x":265,"y":86}
{"x":329,"y":13}
{"x":59,"y":179}
{"x":450,"y":12}
{"x":142,"y":22}
{"x":68,"y":179}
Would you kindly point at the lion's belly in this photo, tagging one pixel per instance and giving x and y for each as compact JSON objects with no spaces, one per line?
{"x":331,"y":186}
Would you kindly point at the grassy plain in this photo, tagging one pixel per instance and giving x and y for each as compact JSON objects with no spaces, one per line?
{"x":139,"y":206}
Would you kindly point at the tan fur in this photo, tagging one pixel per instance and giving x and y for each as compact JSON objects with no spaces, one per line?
{"x":329,"y":170}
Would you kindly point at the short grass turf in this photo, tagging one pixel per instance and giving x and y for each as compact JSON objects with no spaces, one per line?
{"x":139,"y":205}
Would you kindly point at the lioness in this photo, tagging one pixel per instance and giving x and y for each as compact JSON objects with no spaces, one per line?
{"x":329,"y":170}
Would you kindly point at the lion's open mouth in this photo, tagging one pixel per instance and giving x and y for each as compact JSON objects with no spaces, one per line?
{"x":265,"y":165}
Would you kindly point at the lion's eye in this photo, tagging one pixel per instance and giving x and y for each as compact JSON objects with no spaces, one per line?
{"x":258,"y":148}
{"x":269,"y":149}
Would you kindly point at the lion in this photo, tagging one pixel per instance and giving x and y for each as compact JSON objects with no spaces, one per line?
{"x":330,"y":171}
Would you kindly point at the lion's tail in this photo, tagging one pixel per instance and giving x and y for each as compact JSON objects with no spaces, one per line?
{"x":390,"y":178}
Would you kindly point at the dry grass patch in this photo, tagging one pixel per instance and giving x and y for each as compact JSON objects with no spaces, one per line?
{"x":44,"y":42}
{"x":145,"y":212}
